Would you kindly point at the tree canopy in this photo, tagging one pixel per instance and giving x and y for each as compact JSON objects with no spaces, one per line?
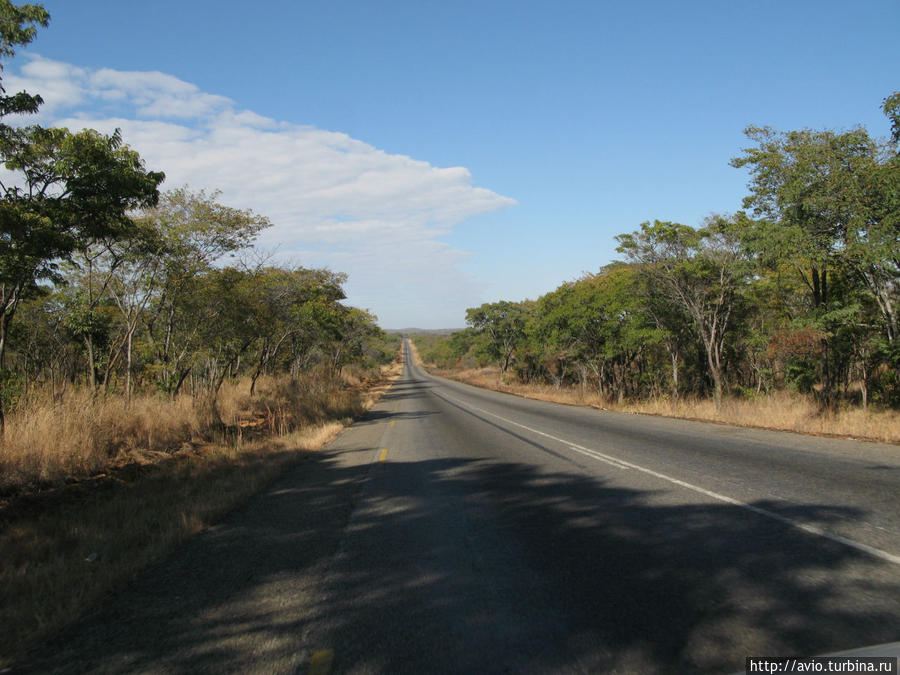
{"x":798,"y":290}
{"x":107,"y":283}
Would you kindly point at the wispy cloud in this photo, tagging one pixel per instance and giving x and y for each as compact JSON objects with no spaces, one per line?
{"x":334,"y":200}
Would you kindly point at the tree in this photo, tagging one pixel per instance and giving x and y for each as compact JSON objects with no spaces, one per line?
{"x":891,"y":108}
{"x":809,"y":186}
{"x":70,"y":190}
{"x":194,"y":231}
{"x":229,"y":323}
{"x":674,"y":328}
{"x":137,"y":272}
{"x":504,"y":323}
{"x":702,"y":271}
{"x":596,"y":325}
{"x":18,"y":26}
{"x":356,"y":328}
{"x":829,"y":204}
{"x":299,"y":304}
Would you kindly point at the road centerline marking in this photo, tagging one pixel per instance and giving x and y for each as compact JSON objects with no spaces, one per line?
{"x":383,"y":455}
{"x":596,"y":454}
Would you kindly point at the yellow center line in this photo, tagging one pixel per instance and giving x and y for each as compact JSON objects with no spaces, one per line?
{"x":393,"y":422}
{"x":321,"y":662}
{"x":383,"y":455}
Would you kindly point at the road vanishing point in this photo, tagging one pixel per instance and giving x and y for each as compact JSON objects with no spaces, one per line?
{"x":459,"y":530}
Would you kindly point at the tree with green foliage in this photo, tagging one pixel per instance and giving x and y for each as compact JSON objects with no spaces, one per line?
{"x":504,"y":324}
{"x":300,"y":305}
{"x":193,"y":230}
{"x":891,"y":107}
{"x":356,"y":329}
{"x":595,"y":325}
{"x":230,"y":321}
{"x":704,"y":271}
{"x":829,"y":204}
{"x":18,"y":26}
{"x":674,"y":329}
{"x":69,"y":190}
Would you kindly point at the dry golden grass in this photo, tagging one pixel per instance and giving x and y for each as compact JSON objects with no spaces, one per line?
{"x":81,"y":434}
{"x":782,"y":411}
{"x":66,"y":545}
{"x":389,"y":374}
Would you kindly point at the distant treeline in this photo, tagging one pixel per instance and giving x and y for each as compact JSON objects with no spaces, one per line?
{"x":799,"y":290}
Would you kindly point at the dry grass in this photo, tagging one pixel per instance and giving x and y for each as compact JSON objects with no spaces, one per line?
{"x":282,"y":404}
{"x":782,"y":411}
{"x":81,"y":434}
{"x":64,"y":546}
{"x":375,"y":390}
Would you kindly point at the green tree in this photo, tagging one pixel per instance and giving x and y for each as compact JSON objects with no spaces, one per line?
{"x":192,"y":230}
{"x":356,"y":329}
{"x":891,"y":108}
{"x":829,"y":204}
{"x":673,"y":327}
{"x":504,"y":324}
{"x":595,"y":326}
{"x":229,"y":321}
{"x":300,"y":306}
{"x":69,"y":190}
{"x":18,"y":26}
{"x":702,"y":271}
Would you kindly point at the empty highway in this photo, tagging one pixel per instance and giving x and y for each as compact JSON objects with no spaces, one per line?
{"x":460,"y":530}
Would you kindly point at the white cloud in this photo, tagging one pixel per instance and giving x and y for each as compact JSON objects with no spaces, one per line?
{"x":334,"y":200}
{"x":59,"y":84}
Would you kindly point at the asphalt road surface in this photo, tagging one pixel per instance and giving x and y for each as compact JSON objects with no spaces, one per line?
{"x":460,"y":530}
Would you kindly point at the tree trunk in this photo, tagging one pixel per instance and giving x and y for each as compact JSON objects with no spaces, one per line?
{"x":715,"y":371}
{"x":128,"y":369}
{"x":717,"y":388}
{"x":505,"y":362}
{"x":4,"y":326}
{"x":673,"y":354}
{"x":263,"y":359}
{"x":864,"y":384}
{"x":827,"y":396}
{"x":92,"y":373}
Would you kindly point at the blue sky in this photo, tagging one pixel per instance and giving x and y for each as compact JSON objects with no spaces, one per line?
{"x":446,"y":154}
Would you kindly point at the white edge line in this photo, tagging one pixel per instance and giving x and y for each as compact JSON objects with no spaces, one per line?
{"x":597,"y":456}
{"x":622,"y":464}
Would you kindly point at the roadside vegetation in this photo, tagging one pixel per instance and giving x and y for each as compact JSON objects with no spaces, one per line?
{"x":70,"y":541}
{"x":153,"y":371}
{"x":782,"y":315}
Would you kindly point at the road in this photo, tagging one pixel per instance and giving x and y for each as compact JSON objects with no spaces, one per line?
{"x":460,"y":530}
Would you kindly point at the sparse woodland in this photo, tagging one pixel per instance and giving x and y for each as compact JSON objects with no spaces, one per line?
{"x":154,"y":371}
{"x":799,"y":292}
{"x":117,"y":300}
